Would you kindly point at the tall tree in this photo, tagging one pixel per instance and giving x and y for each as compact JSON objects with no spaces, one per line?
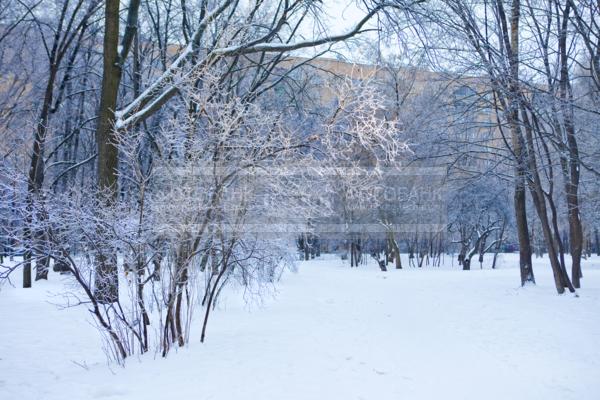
{"x":217,"y":36}
{"x":71,"y":24}
{"x":115,"y":51}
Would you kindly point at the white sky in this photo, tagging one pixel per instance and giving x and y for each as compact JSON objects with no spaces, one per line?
{"x":341,"y":16}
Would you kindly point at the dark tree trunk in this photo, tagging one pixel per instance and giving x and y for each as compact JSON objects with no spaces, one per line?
{"x":393,"y":245}
{"x":27,"y":270}
{"x":518,"y":142}
{"x":34,"y":236}
{"x":306,"y":242}
{"x":107,"y":281}
{"x":498,"y":244}
{"x":572,"y":173}
{"x":561,"y":278}
{"x":466,"y":264}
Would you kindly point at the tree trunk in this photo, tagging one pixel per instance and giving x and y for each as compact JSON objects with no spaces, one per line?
{"x":525,"y":264}
{"x":36,"y":180}
{"x":561,"y":279}
{"x":306,"y":247}
{"x":498,"y":244}
{"x":107,"y":281}
{"x":572,"y":179}
{"x":466,"y":264}
{"x":395,"y":250}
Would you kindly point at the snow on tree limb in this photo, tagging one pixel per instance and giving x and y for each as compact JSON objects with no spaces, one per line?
{"x":165,"y":86}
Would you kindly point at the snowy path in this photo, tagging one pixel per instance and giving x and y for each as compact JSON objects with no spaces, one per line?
{"x":332,"y":333}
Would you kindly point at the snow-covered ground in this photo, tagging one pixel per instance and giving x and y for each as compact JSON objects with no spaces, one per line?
{"x":331,"y":333}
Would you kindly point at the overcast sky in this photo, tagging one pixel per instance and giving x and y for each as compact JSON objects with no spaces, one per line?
{"x":341,"y":16}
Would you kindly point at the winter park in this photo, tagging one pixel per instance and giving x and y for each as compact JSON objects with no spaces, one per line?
{"x":299,"y":199}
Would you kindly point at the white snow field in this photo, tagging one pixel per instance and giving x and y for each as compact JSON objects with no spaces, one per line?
{"x":330,"y":332}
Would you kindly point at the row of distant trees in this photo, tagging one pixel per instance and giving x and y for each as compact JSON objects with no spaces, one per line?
{"x":512,"y":114}
{"x":537,"y":62}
